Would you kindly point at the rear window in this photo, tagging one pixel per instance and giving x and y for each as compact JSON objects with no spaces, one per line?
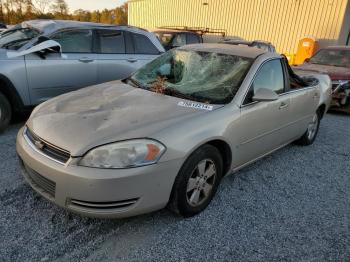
{"x":143,"y":45}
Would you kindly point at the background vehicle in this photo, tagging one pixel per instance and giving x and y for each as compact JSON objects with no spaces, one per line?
{"x":100,"y":166}
{"x":334,"y":61}
{"x":90,"y":54}
{"x":257,"y":43}
{"x":174,"y":36}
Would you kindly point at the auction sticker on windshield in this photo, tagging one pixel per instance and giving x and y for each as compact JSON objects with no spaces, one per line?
{"x":195,"y":105}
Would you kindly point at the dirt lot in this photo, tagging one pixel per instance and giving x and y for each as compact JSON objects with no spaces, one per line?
{"x":293,"y":206}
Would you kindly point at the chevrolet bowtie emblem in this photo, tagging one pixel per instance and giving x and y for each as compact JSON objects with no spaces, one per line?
{"x":39,"y":144}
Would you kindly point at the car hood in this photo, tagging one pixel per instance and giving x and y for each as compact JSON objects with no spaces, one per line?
{"x":334,"y":72}
{"x":84,"y":119}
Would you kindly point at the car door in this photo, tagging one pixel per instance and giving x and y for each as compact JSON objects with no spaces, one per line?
{"x":263,"y":126}
{"x":120,"y":53}
{"x":303,"y":103}
{"x":56,"y":73}
{"x":113,"y":61}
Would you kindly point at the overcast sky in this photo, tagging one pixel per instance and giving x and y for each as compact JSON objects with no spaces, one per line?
{"x":93,"y":4}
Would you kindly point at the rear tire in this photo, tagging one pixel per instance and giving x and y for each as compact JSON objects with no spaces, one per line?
{"x":197,"y":182}
{"x":5,"y":113}
{"x":311,"y":133}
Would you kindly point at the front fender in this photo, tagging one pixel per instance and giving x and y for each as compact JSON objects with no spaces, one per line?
{"x":325,"y":84}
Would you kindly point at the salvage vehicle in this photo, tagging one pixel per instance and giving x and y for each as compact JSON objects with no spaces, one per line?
{"x":166,"y":135}
{"x":175,"y":36}
{"x":334,"y":61}
{"x":256,"y":43}
{"x":41,"y":59}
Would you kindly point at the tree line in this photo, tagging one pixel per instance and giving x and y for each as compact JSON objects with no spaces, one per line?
{"x":16,"y":11}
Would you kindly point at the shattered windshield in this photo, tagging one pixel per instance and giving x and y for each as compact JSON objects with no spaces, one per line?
{"x":16,"y":38}
{"x":339,"y":58}
{"x":199,"y":76}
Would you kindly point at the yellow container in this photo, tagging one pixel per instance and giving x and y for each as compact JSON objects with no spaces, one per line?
{"x":306,"y":49}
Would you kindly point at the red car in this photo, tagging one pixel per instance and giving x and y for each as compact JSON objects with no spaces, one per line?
{"x":334,"y":61}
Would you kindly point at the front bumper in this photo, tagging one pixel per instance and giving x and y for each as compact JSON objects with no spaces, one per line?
{"x":95,"y":192}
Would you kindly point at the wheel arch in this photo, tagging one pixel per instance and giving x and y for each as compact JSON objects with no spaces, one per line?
{"x":220,"y":144}
{"x":10,"y":92}
{"x":225,"y":151}
{"x":322,"y":110}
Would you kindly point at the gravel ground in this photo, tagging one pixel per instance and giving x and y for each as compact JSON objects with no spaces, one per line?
{"x":291,"y":206}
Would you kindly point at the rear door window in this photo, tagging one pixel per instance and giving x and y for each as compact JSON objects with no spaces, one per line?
{"x":74,"y":41}
{"x":110,"y":42}
{"x":143,"y":45}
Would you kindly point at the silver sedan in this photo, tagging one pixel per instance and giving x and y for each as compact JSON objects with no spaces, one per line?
{"x":167,"y":135}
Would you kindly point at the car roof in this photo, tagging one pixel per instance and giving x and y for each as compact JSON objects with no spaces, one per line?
{"x":50,"y":26}
{"x":244,"y":51}
{"x":236,"y":42}
{"x":47,"y":27}
{"x":245,"y":42}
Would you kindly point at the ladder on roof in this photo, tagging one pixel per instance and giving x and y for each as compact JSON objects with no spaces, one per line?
{"x":199,"y":30}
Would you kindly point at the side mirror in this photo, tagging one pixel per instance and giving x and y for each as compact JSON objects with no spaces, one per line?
{"x":265,"y":95}
{"x":49,"y":45}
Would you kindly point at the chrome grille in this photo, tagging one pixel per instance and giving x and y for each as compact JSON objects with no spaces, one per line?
{"x":47,"y":149}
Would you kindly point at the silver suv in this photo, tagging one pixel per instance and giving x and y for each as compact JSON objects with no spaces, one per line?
{"x":41,"y":59}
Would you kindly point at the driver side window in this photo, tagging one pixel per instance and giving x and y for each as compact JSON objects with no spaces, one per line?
{"x":74,"y":41}
{"x":269,"y":76}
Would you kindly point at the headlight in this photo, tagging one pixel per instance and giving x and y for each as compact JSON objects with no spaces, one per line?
{"x":126,"y":154}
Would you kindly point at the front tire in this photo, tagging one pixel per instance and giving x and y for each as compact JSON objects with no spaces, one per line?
{"x":311,"y":133}
{"x":197,"y":182}
{"x":5,"y":113}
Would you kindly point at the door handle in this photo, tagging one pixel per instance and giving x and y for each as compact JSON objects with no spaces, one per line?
{"x":283,"y":105}
{"x":132,"y":60}
{"x":86,"y":60}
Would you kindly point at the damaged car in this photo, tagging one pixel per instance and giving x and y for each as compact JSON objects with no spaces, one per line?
{"x":168,"y":134}
{"x":256,"y":43}
{"x":334,"y":61}
{"x":41,"y":59}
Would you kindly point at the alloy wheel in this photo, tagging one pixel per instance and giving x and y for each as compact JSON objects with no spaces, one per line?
{"x":201,"y":183}
{"x":312,"y":128}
